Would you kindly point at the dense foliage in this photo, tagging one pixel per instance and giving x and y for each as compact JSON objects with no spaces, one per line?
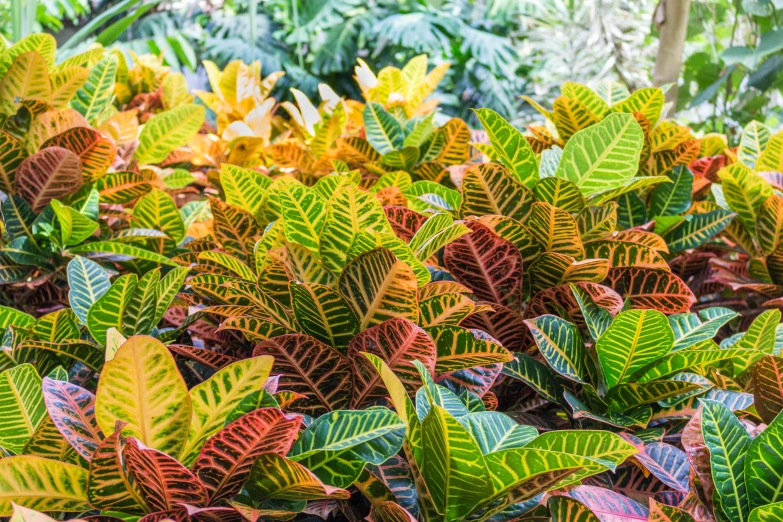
{"x":357,"y":309}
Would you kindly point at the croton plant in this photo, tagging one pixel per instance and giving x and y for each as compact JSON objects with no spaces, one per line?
{"x":216,"y":307}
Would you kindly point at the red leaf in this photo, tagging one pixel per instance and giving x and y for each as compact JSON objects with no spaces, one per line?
{"x":316,"y":370}
{"x":404,"y":221}
{"x":108,"y":487}
{"x":708,"y":167}
{"x":398,"y":342}
{"x":203,"y":356}
{"x":163,"y":482}
{"x":768,"y":387}
{"x":52,"y":173}
{"x":225,"y":460}
{"x":651,"y":288}
{"x":72,"y":410}
{"x":487,"y":264}
{"x":505,"y":325}
{"x":94,"y":150}
{"x":699,"y":456}
{"x":607,"y":505}
{"x":542,"y":302}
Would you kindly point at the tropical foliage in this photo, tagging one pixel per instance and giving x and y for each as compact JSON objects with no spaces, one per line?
{"x":359,"y":308}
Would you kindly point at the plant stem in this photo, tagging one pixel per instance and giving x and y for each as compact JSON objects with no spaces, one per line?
{"x":295,"y":6}
{"x":16,"y":20}
{"x":252,"y":7}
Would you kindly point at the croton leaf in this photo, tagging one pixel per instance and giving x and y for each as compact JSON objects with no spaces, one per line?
{"x":50,"y":173}
{"x":510,"y":146}
{"x":397,"y":342}
{"x":142,"y":387}
{"x":635,"y":338}
{"x":490,"y":189}
{"x":22,"y":404}
{"x":459,"y":348}
{"x":768,"y":387}
{"x":225,"y":460}
{"x":337,"y":445}
{"x":95,"y":151}
{"x":108,"y":486}
{"x":275,"y":477}
{"x":453,"y":468}
{"x":213,"y":399}
{"x":728,"y":443}
{"x":309,"y":367}
{"x":163,"y":482}
{"x":608,"y":504}
{"x":167,"y":131}
{"x":652,"y":288}
{"x":561,"y":345}
{"x":380,"y":287}
{"x":764,"y":465}
{"x":487,"y":264}
{"x":42,"y":484}
{"x":72,"y":409}
{"x":603,"y":156}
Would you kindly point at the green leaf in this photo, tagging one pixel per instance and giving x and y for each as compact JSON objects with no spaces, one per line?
{"x":14,"y":317}
{"x":535,"y":374}
{"x":605,"y":196}
{"x":88,"y":282}
{"x":494,"y":431}
{"x":42,"y":484}
{"x":337,"y":445}
{"x":489,"y":189}
{"x":74,"y":227}
{"x":379,"y":287}
{"x":324,"y":314}
{"x":109,"y":310}
{"x":121,"y":252}
{"x":728,"y":443}
{"x":453,"y":468}
{"x":697,"y":229}
{"x":764,"y":465}
{"x":276,"y":477}
{"x":215,"y":398}
{"x":603,"y":156}
{"x":754,"y":139}
{"x":167,"y":131}
{"x":157,"y":210}
{"x":561,"y":345}
{"x":304,"y":212}
{"x":459,"y":348}
{"x":761,"y":333}
{"x":669,"y":199}
{"x":97,"y":93}
{"x":607,"y":450}
{"x":560,"y":193}
{"x":597,"y":319}
{"x":244,"y":188}
{"x":350,"y":211}
{"x":438,"y":231}
{"x":703,"y":353}
{"x":745,"y":192}
{"x":634,"y":339}
{"x":510,"y":146}
{"x":767,"y":513}
{"x":383,"y":131}
{"x":22,"y":403}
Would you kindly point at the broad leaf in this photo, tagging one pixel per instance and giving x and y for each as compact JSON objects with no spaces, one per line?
{"x":142,"y":387}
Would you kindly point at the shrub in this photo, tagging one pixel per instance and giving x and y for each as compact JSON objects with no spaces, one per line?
{"x":360,"y":308}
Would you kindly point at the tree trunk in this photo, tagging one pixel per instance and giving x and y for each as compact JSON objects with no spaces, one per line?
{"x":671,"y":19}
